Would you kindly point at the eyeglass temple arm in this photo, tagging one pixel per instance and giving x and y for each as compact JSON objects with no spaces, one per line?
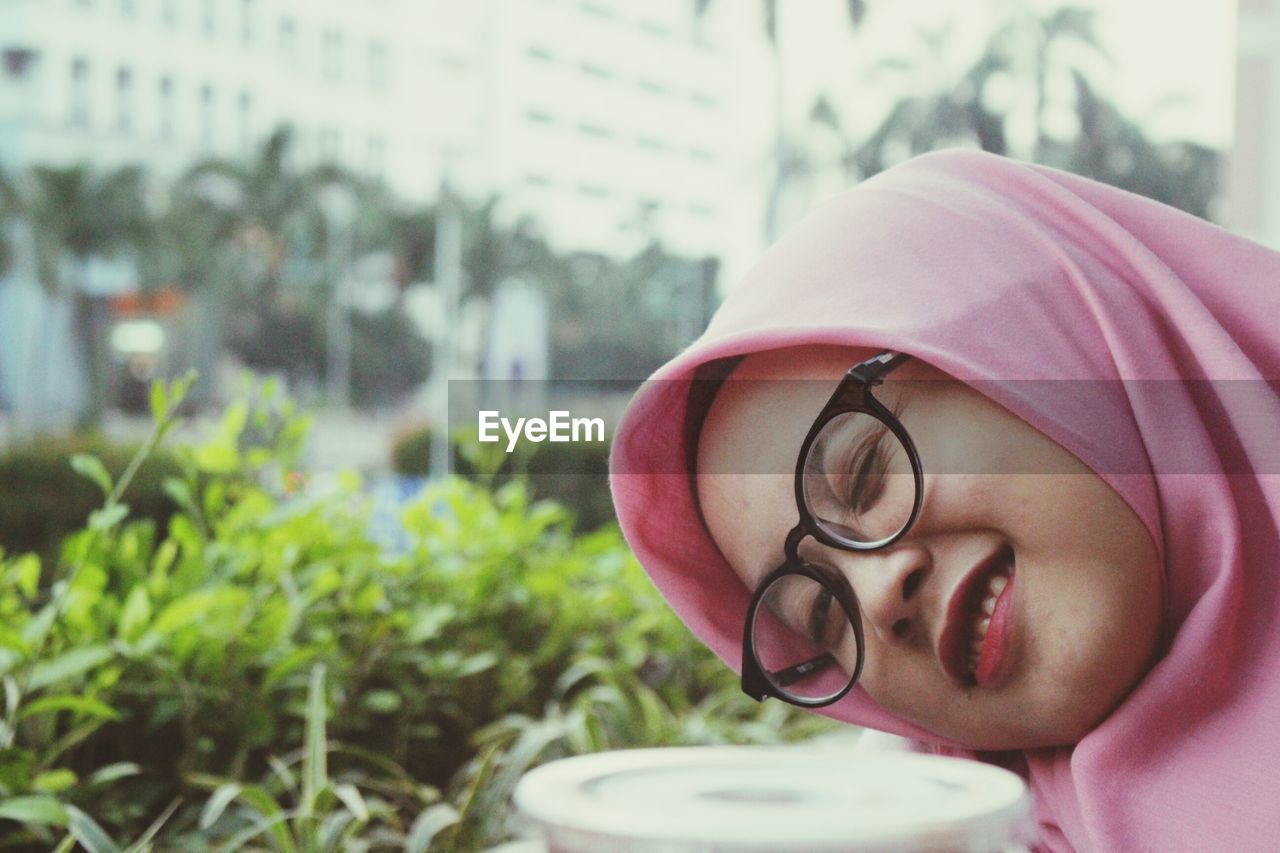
{"x":873,"y":370}
{"x":792,"y":674}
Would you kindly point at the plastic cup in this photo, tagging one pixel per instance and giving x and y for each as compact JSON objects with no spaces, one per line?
{"x":740,"y":799}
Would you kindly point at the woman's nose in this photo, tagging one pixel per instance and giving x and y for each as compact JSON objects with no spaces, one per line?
{"x":890,"y":586}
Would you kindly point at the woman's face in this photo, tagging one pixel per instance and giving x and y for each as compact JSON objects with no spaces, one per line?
{"x":1080,"y":622}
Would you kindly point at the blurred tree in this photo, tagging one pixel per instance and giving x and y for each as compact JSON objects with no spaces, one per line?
{"x":8,"y":212}
{"x":263,"y":247}
{"x":593,"y":340}
{"x":787,"y":158}
{"x":264,"y":220}
{"x":78,"y":214}
{"x":1114,"y":149}
{"x":979,"y":107}
{"x":968,"y":110}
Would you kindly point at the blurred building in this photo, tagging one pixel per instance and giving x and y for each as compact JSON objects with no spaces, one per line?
{"x":611,"y":122}
{"x":1254,"y":181}
{"x":164,"y":82}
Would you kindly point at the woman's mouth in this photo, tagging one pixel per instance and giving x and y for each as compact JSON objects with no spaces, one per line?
{"x":974,"y":640}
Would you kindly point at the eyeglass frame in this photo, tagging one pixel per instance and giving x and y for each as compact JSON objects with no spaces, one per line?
{"x":852,"y":395}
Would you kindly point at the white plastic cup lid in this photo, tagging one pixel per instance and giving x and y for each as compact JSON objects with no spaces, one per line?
{"x":775,"y":798}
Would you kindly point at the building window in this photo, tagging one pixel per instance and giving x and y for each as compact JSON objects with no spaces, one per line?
{"x":331,"y":56}
{"x":167,"y":123}
{"x":246,"y":121}
{"x":124,"y":100}
{"x":79,"y":113}
{"x":210,"y":17}
{"x":169,"y":13}
{"x":18,"y":61}
{"x":287,"y":34}
{"x":329,"y":143}
{"x":378,"y":65}
{"x":206,"y":115}
{"x":247,"y":8}
{"x":376,"y":156}
{"x":128,"y":8}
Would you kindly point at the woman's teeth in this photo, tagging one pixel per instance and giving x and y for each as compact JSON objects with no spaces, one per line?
{"x":994,"y":587}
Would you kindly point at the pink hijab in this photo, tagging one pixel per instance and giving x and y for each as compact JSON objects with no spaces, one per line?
{"x":994,"y":269}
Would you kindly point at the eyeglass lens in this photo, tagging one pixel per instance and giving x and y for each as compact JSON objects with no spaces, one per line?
{"x":803,"y":639}
{"x":858,"y":484}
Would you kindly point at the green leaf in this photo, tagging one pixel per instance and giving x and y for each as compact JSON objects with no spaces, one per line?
{"x":279,"y":832}
{"x":91,"y":468}
{"x":86,"y":830}
{"x":286,"y":665}
{"x":218,"y":803}
{"x":143,"y":843}
{"x":217,"y":457}
{"x":428,"y":824}
{"x":67,"y":666}
{"x":53,"y":781}
{"x":180,"y":388}
{"x":180,"y":492}
{"x":332,"y":829}
{"x":382,"y":701}
{"x":26,"y":571}
{"x":112,"y":772}
{"x":85,"y":706}
{"x":315,"y":777}
{"x":350,"y":796}
{"x":108,"y":517}
{"x":34,"y":631}
{"x":35,"y":809}
{"x":159,"y":401}
{"x":183,"y":612}
{"x":135,"y":615}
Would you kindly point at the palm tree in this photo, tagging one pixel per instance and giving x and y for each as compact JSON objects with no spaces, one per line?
{"x":78,"y":214}
{"x":247,"y":239}
{"x":1107,"y":147}
{"x":958,"y":111}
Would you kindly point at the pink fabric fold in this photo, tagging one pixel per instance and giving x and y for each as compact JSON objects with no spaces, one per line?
{"x":993,"y":269}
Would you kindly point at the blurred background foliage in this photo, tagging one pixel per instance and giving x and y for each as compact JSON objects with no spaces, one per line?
{"x":249,"y":247}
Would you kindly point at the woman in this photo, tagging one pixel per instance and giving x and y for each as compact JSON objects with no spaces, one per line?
{"x":989,"y":454}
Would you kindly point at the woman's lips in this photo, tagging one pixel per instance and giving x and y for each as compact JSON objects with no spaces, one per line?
{"x":995,"y":648}
{"x":963,"y":614}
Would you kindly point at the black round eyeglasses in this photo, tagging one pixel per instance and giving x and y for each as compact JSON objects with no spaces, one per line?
{"x":859,"y":486}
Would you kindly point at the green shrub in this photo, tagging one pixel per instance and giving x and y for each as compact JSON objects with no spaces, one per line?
{"x":165,"y":683}
{"x":575,"y":475}
{"x":42,"y":499}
